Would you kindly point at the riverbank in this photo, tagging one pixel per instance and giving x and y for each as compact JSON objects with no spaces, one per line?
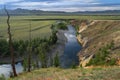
{"x":59,"y":47}
{"x":97,"y":34}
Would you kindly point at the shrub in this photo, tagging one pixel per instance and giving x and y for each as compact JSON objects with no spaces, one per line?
{"x":56,"y":61}
{"x":43,"y":55}
{"x":53,"y":38}
{"x":112,"y":61}
{"x":101,"y":55}
{"x":4,"y":49}
{"x":2,"y":77}
{"x":25,"y":64}
{"x":73,"y":66}
{"x":62,"y":26}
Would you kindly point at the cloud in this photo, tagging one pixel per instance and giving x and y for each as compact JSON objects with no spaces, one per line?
{"x":63,"y":5}
{"x":84,"y":1}
{"x":31,"y":4}
{"x":8,"y":1}
{"x":74,"y":9}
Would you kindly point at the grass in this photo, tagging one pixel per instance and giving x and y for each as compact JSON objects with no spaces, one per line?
{"x":20,"y":25}
{"x":98,"y":73}
{"x":20,"y":28}
{"x":89,"y":17}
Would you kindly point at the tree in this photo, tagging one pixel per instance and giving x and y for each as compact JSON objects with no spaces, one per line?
{"x":56,"y":61}
{"x":62,"y":26}
{"x":37,"y":60}
{"x":42,"y":50}
{"x":25,"y":64}
{"x":30,"y":50}
{"x":11,"y":44}
{"x":51,"y":60}
{"x":101,"y":57}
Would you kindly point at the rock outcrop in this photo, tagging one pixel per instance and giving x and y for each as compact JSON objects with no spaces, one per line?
{"x":85,"y":60}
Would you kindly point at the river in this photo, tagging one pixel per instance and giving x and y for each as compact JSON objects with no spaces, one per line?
{"x":69,"y":57}
{"x":72,"y":47}
{"x":6,"y":69}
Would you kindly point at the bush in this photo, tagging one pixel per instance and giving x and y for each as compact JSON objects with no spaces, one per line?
{"x":25,"y":64}
{"x":101,"y":56}
{"x":2,"y":77}
{"x":53,"y":37}
{"x":4,"y":48}
{"x":112,"y":61}
{"x":42,"y":51}
{"x":56,"y":61}
{"x":62,"y":26}
{"x":73,"y":66}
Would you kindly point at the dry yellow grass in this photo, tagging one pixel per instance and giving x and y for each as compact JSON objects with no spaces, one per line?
{"x":95,"y":73}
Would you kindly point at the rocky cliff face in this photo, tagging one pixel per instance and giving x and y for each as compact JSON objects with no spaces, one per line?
{"x":83,"y":40}
{"x":96,"y":34}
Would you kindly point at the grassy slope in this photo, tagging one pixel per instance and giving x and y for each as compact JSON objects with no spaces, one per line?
{"x":100,"y":34}
{"x":98,"y":73}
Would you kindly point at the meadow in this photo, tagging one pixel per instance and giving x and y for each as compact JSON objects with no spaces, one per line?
{"x":40,"y":25}
{"x":20,"y":28}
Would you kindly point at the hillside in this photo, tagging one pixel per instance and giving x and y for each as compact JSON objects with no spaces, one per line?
{"x":98,"y":73}
{"x":97,"y":34}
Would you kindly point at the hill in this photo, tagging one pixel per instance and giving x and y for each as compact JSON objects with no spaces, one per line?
{"x":95,"y":35}
{"x":98,"y":73}
{"x":27,"y":12}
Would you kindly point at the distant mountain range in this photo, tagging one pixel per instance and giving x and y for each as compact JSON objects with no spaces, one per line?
{"x":20,"y":11}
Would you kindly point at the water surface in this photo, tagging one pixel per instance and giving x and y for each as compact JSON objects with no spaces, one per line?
{"x":6,"y":69}
{"x":72,"y":47}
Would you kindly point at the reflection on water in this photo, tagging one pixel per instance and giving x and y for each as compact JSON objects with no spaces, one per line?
{"x":72,"y":47}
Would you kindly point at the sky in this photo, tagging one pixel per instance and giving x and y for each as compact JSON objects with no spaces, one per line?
{"x":62,"y":5}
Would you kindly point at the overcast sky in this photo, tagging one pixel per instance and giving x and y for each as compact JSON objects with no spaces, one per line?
{"x":63,"y":5}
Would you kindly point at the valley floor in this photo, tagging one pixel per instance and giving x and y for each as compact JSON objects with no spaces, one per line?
{"x":96,"y":73}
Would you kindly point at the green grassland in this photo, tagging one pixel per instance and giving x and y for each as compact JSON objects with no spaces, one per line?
{"x":89,"y":17}
{"x":40,"y":28}
{"x":98,"y":73}
{"x":20,"y":28}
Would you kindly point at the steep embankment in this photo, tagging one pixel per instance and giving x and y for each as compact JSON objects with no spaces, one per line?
{"x":96,"y":34}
